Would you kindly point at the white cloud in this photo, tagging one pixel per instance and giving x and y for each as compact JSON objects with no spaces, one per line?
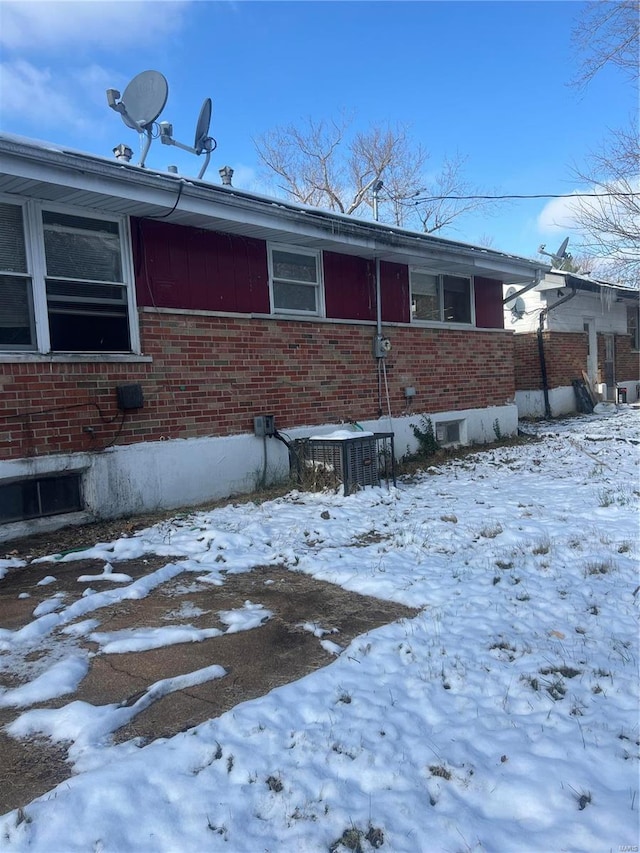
{"x":557,"y":215}
{"x":45,"y":99}
{"x":57,"y":26}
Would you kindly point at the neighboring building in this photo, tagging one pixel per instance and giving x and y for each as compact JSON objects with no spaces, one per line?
{"x":147,"y":318}
{"x":567,"y":326}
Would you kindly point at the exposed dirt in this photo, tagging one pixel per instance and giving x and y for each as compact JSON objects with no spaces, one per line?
{"x":256,"y":661}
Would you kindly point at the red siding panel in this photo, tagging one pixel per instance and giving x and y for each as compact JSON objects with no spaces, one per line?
{"x":350,"y":287}
{"x":394,"y":284}
{"x":488,"y":294}
{"x":179,"y":267}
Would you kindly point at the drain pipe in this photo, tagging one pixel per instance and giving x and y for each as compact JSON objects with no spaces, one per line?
{"x":543,"y":361}
{"x":378,"y":335}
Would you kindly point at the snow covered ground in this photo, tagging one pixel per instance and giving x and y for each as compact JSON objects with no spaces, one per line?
{"x":503,"y":718}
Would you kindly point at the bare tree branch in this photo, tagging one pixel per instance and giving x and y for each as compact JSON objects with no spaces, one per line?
{"x":317,"y":163}
{"x":611,"y":224}
{"x":607,"y":33}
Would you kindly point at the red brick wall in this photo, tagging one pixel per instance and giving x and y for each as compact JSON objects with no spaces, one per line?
{"x":210,"y":375}
{"x":565,"y":358}
{"x":627,"y":360}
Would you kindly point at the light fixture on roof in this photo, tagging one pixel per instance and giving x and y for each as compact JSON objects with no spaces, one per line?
{"x":226,"y":174}
{"x":376,"y":190}
{"x":123,"y":153}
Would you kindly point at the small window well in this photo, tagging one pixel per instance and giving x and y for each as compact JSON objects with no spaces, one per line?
{"x":22,"y":500}
{"x":350,"y":460}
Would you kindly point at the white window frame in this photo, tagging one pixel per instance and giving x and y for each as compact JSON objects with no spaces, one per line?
{"x":37,"y":272}
{"x":440,"y":277}
{"x":318,"y":285}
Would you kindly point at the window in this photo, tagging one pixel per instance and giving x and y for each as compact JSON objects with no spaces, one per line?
{"x":441,"y":298}
{"x":16,"y":311}
{"x":633,"y":327}
{"x":64,"y":285}
{"x":295,"y":280}
{"x":425,"y":296}
{"x":39,"y":497}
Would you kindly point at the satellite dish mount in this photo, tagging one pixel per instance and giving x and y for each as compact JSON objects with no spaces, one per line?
{"x":141,"y":103}
{"x":202,"y":142}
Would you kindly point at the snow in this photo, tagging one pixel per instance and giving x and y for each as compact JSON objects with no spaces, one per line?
{"x":502,"y":718}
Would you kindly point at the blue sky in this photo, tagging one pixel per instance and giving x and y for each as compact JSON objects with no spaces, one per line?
{"x":487,"y":79}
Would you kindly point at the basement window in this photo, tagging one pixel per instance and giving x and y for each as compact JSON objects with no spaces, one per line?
{"x":295,"y":280}
{"x":65,"y":282}
{"x":31,"y":498}
{"x":448,"y":432}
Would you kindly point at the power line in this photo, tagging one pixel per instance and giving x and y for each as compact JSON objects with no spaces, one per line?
{"x":415,"y":200}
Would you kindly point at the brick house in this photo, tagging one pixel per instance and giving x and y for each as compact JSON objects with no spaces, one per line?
{"x":148,"y":318}
{"x":572,"y":324}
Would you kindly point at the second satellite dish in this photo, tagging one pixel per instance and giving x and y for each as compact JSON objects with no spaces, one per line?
{"x":202,"y":127}
{"x":202,"y":142}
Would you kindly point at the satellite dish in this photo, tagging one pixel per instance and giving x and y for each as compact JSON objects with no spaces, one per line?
{"x":562,"y":251}
{"x":518,"y":309}
{"x":515,"y":304}
{"x":144,"y":99}
{"x":202,"y":143}
{"x":559,"y":256}
{"x":202,"y":127}
{"x":509,"y":298}
{"x":141,"y":104}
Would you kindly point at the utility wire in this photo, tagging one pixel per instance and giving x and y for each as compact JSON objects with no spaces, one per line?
{"x":415,"y":200}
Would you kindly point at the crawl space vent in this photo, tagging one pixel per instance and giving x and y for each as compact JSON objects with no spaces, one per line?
{"x":347,"y":459}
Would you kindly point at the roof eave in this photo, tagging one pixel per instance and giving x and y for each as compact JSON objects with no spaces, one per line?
{"x":74,"y":178}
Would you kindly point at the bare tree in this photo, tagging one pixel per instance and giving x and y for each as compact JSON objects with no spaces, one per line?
{"x":607,"y":33}
{"x":321,"y":164}
{"x":610,"y":220}
{"x":446,"y":197}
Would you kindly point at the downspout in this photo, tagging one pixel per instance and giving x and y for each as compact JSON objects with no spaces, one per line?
{"x":543,"y":362}
{"x":378,"y":334}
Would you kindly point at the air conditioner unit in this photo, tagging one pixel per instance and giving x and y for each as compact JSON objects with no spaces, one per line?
{"x":351,"y":462}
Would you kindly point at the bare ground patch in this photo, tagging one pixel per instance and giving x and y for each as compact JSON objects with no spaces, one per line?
{"x":256,"y":661}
